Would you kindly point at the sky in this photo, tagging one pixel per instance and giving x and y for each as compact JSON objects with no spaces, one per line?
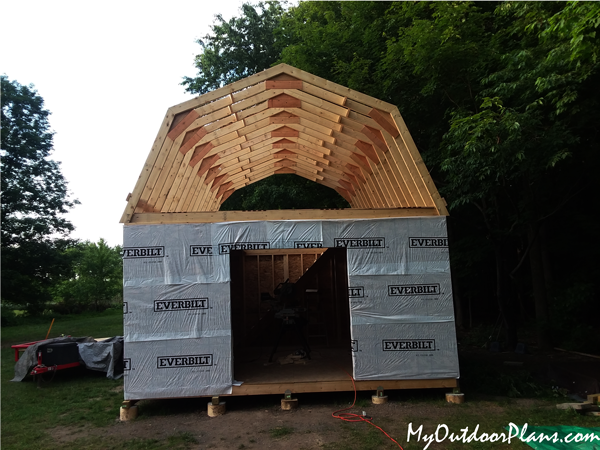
{"x":107,"y":71}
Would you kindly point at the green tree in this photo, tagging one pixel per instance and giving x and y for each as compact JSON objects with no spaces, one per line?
{"x":284,"y":192}
{"x":34,"y":199}
{"x":96,"y":280}
{"x":237,"y":49}
{"x":527,"y":151}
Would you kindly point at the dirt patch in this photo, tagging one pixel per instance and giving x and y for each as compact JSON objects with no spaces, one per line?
{"x":258,"y":422}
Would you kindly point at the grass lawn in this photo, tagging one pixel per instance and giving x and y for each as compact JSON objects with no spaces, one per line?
{"x":86,"y":405}
{"x":75,"y":397}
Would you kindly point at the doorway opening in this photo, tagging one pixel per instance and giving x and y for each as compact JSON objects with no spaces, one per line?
{"x":290,"y":315}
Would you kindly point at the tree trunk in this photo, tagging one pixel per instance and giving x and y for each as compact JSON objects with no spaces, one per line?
{"x":504,"y":295}
{"x":538,"y":284}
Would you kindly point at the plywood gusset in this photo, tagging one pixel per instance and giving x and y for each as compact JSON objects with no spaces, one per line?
{"x":282,"y":120}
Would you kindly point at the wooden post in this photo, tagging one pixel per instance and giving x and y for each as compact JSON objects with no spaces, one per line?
{"x":216,"y":407}
{"x":287,"y":402}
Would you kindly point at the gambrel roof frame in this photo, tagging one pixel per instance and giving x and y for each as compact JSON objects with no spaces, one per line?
{"x":282,"y":120}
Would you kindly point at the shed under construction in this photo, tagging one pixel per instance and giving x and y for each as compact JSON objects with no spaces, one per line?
{"x":217,"y":296}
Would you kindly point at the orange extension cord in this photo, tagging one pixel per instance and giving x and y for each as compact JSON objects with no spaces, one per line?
{"x":351,"y":417}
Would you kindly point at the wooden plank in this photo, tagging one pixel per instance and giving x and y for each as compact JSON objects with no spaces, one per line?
{"x":283,"y":84}
{"x":230,"y":89}
{"x":206,"y":164}
{"x":368,"y":150}
{"x":253,"y":110}
{"x":171,"y":163}
{"x":400,"y":172}
{"x":313,"y":133}
{"x":255,"y":100}
{"x":199,"y":195}
{"x":177,"y":185}
{"x":362,"y":162}
{"x":324,"y":94}
{"x":356,"y":171}
{"x":416,"y":156}
{"x":385,"y":122}
{"x":153,"y":155}
{"x":286,"y":251}
{"x":284,"y":101}
{"x":200,"y":152}
{"x":320,"y":120}
{"x":191,"y":139}
{"x":376,"y":137}
{"x":409,"y":174}
{"x":344,"y":193}
{"x":284,"y":170}
{"x":284,"y":119}
{"x":359,"y":107}
{"x":218,"y":181}
{"x":213,"y":173}
{"x":284,"y":163}
{"x":316,"y":101}
{"x":285,"y":131}
{"x":182,"y":125}
{"x":336,"y":88}
{"x":226,"y":195}
{"x":223,"y":188}
{"x":190,"y":191}
{"x":342,"y":385}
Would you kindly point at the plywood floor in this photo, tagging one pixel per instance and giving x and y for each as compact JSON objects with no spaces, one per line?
{"x":326,"y":364}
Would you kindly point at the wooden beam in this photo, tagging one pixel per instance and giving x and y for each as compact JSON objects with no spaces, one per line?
{"x":294,"y":214}
{"x":283,"y":84}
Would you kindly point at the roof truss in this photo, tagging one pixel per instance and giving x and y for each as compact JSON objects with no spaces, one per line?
{"x":281,"y":120}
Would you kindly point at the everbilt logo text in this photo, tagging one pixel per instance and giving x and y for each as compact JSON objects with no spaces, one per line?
{"x":224,"y":249}
{"x":354,"y":345}
{"x":371,"y":242}
{"x":143,"y":252}
{"x":356,"y":292}
{"x":308,"y":244}
{"x":414,"y":289}
{"x":168,"y":362}
{"x":201,"y":250}
{"x":126,"y":363}
{"x":411,"y":345}
{"x":425,"y":242}
{"x":180,"y":305}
